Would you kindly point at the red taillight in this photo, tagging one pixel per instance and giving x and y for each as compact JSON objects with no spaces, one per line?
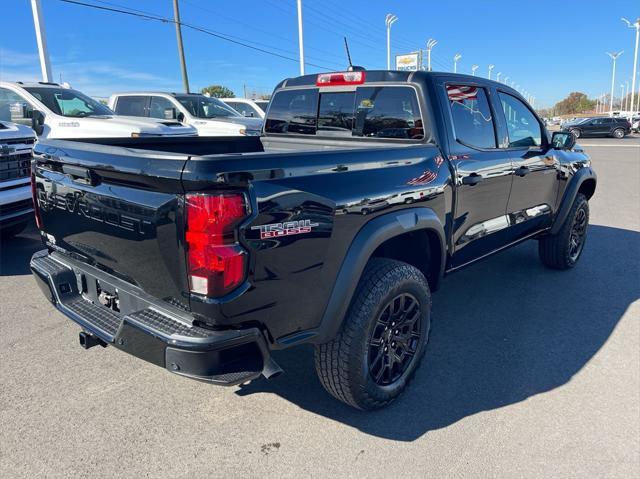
{"x":342,"y":78}
{"x":215,"y":261}
{"x":34,"y":197}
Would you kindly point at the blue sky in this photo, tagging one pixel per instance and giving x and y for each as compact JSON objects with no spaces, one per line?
{"x":548,"y":47}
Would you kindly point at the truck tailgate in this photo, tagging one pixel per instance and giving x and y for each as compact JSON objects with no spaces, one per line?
{"x":117,"y":209}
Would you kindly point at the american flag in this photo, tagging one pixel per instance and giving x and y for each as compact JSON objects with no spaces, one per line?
{"x":427,"y":177}
{"x":462,"y":92}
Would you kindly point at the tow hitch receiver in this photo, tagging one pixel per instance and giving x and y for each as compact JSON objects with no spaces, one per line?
{"x":89,"y":340}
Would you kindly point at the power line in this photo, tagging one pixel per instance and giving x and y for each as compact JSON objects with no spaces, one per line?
{"x":193,"y":27}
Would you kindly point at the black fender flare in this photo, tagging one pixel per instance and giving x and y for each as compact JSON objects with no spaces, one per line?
{"x":570,"y":193}
{"x":372,"y":235}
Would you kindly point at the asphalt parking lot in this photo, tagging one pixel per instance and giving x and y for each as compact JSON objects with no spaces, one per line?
{"x":529,"y":372}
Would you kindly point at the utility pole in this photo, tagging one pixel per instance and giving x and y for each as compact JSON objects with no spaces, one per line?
{"x":389,"y":20}
{"x":456,"y":57}
{"x":626,"y":97}
{"x":430,"y":44}
{"x":491,"y":67}
{"x":635,"y":25}
{"x":183,"y":65}
{"x":614,"y":57}
{"x":300,"y":37}
{"x":473,"y":69}
{"x":41,"y":38}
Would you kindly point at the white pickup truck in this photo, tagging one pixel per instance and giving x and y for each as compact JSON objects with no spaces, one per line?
{"x":57,"y":112}
{"x":16,"y":207}
{"x":210,"y":116}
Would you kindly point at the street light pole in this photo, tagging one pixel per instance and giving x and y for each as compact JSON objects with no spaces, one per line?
{"x":635,"y":25}
{"x":627,"y":107}
{"x":456,"y":57}
{"x":613,"y":56}
{"x":430,"y":44}
{"x":300,"y":37}
{"x":498,"y":76}
{"x":389,"y":20}
{"x":506,"y":82}
{"x":183,"y":65}
{"x":491,"y":67}
{"x":41,"y":38}
{"x":473,"y":69}
{"x":621,"y":96}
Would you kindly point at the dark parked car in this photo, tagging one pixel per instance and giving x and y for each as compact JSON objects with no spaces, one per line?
{"x":616,"y":127}
{"x":207,"y":254}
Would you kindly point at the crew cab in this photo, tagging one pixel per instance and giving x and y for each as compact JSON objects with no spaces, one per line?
{"x":16,"y":206}
{"x":210,"y":116}
{"x":334,"y":228}
{"x":57,"y":111}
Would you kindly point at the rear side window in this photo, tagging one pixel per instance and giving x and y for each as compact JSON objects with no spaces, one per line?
{"x":388,"y":112}
{"x":132,"y":105}
{"x":523,"y":127}
{"x":471,"y":114}
{"x":293,"y":111}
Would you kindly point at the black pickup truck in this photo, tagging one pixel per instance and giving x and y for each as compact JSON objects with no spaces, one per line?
{"x":205,"y":255}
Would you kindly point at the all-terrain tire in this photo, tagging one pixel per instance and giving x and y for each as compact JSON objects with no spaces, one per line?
{"x":343,"y":364}
{"x":558,"y":251}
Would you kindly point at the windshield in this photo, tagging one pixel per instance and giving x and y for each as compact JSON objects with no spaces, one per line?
{"x":71,"y":103}
{"x":206,"y":107}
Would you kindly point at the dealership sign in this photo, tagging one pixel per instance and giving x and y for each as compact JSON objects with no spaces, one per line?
{"x":408,"y":62}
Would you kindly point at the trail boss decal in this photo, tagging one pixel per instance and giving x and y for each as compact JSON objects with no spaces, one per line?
{"x":275,"y":230}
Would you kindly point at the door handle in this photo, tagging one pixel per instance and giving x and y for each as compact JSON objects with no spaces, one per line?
{"x":472,"y":179}
{"x":522,"y":171}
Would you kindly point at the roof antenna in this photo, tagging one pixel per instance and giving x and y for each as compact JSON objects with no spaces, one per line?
{"x":352,"y":68}
{"x":346,"y":47}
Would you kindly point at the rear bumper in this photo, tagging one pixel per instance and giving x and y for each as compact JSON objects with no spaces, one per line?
{"x":148,"y":328}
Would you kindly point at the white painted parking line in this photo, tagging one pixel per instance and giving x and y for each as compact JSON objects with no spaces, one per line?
{"x":584,"y":145}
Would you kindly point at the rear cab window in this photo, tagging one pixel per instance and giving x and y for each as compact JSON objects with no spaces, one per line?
{"x":388,"y":112}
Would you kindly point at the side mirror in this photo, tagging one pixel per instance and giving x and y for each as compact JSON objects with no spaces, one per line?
{"x":169,"y":113}
{"x":37,"y":122}
{"x":563,"y":140}
{"x":180,"y":117}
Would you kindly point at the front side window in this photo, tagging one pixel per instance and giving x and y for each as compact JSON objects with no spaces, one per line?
{"x":293,"y":111}
{"x":522,"y":126}
{"x":69,"y":103}
{"x":161,"y":108}
{"x":14,"y":108}
{"x":388,"y":112}
{"x":206,"y":107}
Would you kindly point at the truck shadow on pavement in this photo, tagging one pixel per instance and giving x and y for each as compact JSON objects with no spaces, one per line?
{"x":15,"y":253}
{"x":503,"y":330}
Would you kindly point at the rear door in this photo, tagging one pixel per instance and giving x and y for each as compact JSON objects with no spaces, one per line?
{"x":482,"y":173}
{"x":535,"y":176}
{"x":595,"y":127}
